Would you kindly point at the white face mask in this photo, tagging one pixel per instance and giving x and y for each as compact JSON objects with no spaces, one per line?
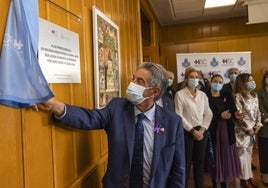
{"x":216,"y":86}
{"x":135,"y":93}
{"x":232,"y":77}
{"x":170,"y":82}
{"x":193,"y":82}
{"x":251,"y":85}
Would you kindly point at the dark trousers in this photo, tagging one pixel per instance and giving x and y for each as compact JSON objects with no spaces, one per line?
{"x":195,"y":155}
{"x":263,"y":154}
{"x":222,"y":185}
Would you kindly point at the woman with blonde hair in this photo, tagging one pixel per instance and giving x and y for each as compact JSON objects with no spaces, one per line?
{"x":192,"y":105}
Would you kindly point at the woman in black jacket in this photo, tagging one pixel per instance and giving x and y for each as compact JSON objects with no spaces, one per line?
{"x":224,"y":160}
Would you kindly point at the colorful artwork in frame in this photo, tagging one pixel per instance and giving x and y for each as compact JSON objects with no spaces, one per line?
{"x":106,"y":58}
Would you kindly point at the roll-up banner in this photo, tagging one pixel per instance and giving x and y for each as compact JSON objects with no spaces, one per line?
{"x":213,"y":63}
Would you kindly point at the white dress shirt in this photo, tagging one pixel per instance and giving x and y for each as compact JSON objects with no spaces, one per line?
{"x":195,"y":111}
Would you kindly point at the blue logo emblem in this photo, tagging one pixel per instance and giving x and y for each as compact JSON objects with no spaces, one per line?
{"x":241,"y":61}
{"x":214,"y":62}
{"x":186,"y":63}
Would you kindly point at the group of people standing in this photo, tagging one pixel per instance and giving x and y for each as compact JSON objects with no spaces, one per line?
{"x":223,"y":122}
{"x":154,"y":141}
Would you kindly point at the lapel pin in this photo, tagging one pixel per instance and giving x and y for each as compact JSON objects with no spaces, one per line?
{"x":158,"y":128}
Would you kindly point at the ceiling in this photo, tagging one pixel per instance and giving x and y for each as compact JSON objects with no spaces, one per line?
{"x":171,"y":12}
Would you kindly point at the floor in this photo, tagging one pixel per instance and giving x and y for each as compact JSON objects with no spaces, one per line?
{"x":255,"y":161}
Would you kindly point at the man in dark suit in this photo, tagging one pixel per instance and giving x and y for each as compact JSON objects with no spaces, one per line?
{"x":168,"y":103}
{"x":228,"y":87}
{"x":167,"y":99}
{"x":163,"y":156}
{"x":170,"y":92}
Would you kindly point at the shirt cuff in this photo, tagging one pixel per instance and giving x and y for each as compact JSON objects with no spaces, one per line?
{"x":62,"y":116}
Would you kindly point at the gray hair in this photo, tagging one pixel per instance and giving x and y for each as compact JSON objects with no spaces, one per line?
{"x":159,"y":76}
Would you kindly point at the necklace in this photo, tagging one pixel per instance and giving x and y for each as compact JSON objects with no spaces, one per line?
{"x":215,"y":94}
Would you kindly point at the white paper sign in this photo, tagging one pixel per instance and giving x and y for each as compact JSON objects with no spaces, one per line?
{"x":59,"y":55}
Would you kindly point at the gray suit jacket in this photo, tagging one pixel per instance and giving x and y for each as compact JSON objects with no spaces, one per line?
{"x":117,"y":119}
{"x":263,"y":104}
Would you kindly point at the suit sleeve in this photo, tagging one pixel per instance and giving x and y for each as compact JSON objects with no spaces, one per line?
{"x":177,"y":175}
{"x":82,"y":118}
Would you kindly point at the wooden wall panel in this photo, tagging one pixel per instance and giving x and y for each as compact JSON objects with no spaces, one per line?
{"x":207,"y":30}
{"x":37,"y":153}
{"x":3,"y":17}
{"x":63,"y":155}
{"x":86,"y":45}
{"x":133,"y":44}
{"x":258,"y":47}
{"x":11,"y":159}
{"x":85,"y":143}
{"x":203,"y":47}
{"x":232,"y":45}
{"x":171,"y":51}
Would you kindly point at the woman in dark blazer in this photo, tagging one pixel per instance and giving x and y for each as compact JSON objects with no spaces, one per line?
{"x":224,"y":160}
{"x":263,"y":133}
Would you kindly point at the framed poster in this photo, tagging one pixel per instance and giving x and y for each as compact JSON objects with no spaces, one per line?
{"x":106,"y":58}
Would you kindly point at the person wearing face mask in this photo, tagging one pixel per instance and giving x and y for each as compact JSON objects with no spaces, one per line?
{"x":203,"y":83}
{"x":229,"y":87}
{"x":167,"y":101}
{"x":247,"y":128}
{"x":192,"y":105}
{"x":263,"y":133}
{"x":224,"y":163}
{"x":170,"y":92}
{"x":134,"y":126}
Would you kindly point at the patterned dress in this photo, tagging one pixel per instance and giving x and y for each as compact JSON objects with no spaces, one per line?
{"x":252,"y":116}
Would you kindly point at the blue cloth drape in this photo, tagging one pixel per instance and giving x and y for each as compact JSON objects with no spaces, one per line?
{"x":22,"y":82}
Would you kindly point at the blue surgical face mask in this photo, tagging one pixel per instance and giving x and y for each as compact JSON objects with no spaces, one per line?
{"x":216,"y":86}
{"x":266,"y":81}
{"x":251,"y":85}
{"x":135,"y":93}
{"x":170,"y":82}
{"x":193,"y":82}
{"x":233,"y":77}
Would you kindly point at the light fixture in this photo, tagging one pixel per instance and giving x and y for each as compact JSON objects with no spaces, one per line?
{"x":218,"y":3}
